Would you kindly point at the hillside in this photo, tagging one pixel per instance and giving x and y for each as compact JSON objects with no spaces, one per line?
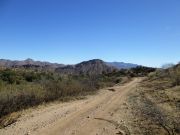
{"x":91,"y":67}
{"x":155,"y":105}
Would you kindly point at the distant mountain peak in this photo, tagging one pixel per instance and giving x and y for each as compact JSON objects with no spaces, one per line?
{"x":29,"y":59}
{"x":122,"y":65}
{"x":92,"y":67}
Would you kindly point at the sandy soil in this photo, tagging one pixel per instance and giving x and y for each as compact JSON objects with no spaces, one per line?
{"x":96,"y":115}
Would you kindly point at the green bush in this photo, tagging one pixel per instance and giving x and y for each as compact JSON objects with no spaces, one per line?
{"x":8,"y":76}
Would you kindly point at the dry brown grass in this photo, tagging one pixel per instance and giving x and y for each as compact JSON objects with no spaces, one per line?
{"x":156,"y":107}
{"x":9,"y":119}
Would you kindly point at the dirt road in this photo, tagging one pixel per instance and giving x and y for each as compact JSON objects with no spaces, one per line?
{"x":97,"y":115}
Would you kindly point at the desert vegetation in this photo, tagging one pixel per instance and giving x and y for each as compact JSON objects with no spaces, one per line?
{"x":21,"y":88}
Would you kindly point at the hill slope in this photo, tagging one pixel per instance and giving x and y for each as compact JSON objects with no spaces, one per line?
{"x":155,"y":105}
{"x":95,"y":66}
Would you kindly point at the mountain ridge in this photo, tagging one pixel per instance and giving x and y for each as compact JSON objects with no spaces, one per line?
{"x":122,"y":65}
{"x":28,"y":63}
{"x":95,"y":66}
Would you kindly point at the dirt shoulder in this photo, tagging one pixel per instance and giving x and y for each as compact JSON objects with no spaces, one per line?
{"x":154,"y":109}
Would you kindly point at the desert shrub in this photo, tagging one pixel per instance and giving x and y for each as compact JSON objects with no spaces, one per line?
{"x":141,"y":71}
{"x":175,"y":76}
{"x":118,"y":80}
{"x":8,"y":76}
{"x":20,"y":89}
{"x":14,"y":98}
{"x":171,"y":75}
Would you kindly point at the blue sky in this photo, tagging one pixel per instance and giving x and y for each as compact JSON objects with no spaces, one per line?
{"x":145,"y":32}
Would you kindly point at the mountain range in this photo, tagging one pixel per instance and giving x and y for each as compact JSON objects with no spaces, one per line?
{"x":122,"y":65}
{"x":94,"y":66}
{"x":28,"y":63}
